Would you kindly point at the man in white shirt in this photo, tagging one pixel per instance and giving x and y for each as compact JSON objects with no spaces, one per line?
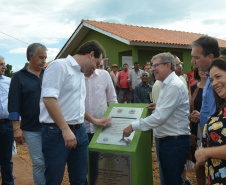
{"x":62,"y":113}
{"x":134,"y":78}
{"x":6,"y":129}
{"x":99,"y":93}
{"x":170,"y":119}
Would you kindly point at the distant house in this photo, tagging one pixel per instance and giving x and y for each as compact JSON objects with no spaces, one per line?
{"x":127,"y":43}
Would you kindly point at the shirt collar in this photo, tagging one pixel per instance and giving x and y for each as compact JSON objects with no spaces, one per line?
{"x":73,"y":62}
{"x":141,"y":84}
{"x":168,"y":78}
{"x":25,"y":69}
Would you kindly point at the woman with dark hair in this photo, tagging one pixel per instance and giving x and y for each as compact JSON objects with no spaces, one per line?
{"x":196,"y":129}
{"x":213,"y":150}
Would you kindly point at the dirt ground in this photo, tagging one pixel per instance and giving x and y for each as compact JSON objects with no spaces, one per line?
{"x":23,"y":153}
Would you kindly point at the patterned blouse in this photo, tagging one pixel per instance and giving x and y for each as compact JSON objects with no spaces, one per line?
{"x":214,"y":134}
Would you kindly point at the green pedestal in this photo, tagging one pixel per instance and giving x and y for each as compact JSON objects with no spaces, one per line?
{"x":122,"y":165}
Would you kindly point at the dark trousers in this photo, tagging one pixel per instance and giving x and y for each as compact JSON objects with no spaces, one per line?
{"x":6,"y":145}
{"x":124,"y":95}
{"x":56,"y":156}
{"x":173,"y":155}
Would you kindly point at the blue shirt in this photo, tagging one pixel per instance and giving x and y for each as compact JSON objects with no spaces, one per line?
{"x":4,"y":90}
{"x":142,"y":93}
{"x":208,"y":102}
{"x":24,"y":98}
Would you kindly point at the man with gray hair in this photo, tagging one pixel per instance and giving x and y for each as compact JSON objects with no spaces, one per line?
{"x":170,"y":119}
{"x":24,"y":98}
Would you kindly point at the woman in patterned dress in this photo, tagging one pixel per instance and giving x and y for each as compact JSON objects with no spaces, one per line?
{"x":212,"y":154}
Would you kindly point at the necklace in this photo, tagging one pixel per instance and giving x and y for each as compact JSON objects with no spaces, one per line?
{"x":32,"y":72}
{"x":29,"y":69}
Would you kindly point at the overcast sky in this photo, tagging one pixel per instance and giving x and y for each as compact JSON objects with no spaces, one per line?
{"x":51,"y":22}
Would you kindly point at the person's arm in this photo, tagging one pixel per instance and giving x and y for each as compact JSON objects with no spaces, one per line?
{"x":118,"y":82}
{"x":14,"y":104}
{"x":168,"y":105}
{"x":98,"y":122}
{"x":110,"y":91}
{"x":55,"y":113}
{"x":18,"y":133}
{"x":203,"y":154}
{"x":129,"y":82}
{"x":136,"y":95}
{"x":194,"y":116}
{"x":130,"y":86}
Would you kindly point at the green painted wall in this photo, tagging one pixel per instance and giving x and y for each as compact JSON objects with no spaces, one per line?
{"x":116,"y":49}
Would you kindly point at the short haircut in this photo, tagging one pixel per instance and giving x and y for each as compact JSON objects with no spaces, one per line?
{"x":145,"y":73}
{"x":125,"y":64}
{"x":136,"y":62}
{"x":209,"y":46}
{"x":166,"y":57}
{"x":223,"y":51}
{"x":90,"y":46}
{"x":32,"y":49}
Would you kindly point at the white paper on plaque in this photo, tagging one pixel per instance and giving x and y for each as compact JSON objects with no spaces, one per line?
{"x":121,"y":117}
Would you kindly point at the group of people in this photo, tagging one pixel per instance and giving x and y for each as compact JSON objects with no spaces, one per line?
{"x":127,"y":83}
{"x":172,"y":121}
{"x":57,"y":110}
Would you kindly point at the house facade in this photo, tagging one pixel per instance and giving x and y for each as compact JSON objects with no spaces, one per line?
{"x":127,"y":43}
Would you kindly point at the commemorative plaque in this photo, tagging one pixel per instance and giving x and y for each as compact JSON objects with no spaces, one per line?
{"x":121,"y":117}
{"x":116,"y":161}
{"x":113,"y":169}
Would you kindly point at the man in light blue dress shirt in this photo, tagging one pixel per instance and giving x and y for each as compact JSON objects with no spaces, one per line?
{"x":6,"y":128}
{"x":204,"y":50}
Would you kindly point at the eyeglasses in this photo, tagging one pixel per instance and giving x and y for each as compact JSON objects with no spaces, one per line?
{"x":156,"y":65}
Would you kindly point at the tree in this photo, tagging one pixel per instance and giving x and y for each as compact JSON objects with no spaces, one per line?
{"x":8,"y":70}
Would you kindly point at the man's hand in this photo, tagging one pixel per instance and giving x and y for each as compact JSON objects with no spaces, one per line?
{"x":193,"y":140}
{"x":19,"y":136}
{"x":69,"y":138}
{"x":18,"y":133}
{"x":151,"y":107}
{"x":102,"y":121}
{"x":127,"y":131}
{"x":195,"y":117}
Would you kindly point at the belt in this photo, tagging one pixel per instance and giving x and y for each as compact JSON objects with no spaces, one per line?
{"x":77,"y":126}
{"x":172,"y":138}
{"x":4,"y":120}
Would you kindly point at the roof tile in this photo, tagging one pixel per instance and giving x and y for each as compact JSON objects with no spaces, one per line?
{"x":149,"y":35}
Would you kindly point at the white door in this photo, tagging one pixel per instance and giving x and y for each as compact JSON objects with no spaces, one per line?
{"x":128,"y":60}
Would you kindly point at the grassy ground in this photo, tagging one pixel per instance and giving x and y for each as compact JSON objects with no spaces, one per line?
{"x":23,"y":153}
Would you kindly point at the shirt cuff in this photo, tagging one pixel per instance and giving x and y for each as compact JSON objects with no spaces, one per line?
{"x":14,"y":116}
{"x":50,"y":92}
{"x":136,"y":125}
